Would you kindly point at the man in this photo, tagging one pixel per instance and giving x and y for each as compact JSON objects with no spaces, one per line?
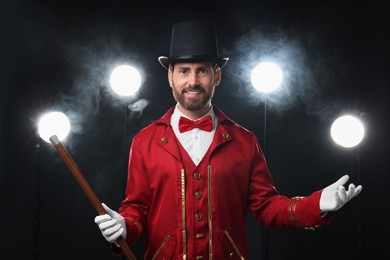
{"x":193,"y":173}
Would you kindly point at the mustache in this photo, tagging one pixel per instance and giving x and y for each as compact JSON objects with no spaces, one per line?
{"x":193,"y":88}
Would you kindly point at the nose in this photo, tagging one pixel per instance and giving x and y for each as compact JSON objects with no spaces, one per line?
{"x":193,"y":79}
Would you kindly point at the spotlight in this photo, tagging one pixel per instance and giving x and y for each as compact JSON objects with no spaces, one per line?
{"x":266,"y":77}
{"x":347,"y":131}
{"x":53,"y":123}
{"x":125,"y":80}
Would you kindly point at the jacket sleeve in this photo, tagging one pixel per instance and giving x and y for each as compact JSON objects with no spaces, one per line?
{"x":135,"y":206}
{"x":273,"y":210}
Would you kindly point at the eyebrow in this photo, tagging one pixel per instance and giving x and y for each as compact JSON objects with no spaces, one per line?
{"x":197,"y":68}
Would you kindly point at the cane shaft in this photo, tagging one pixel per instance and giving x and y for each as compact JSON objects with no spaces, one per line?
{"x":87,"y":189}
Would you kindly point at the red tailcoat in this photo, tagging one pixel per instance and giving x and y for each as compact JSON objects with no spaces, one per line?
{"x":199,"y":211}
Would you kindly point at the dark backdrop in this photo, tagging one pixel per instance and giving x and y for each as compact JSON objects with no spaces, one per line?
{"x":57,"y":55}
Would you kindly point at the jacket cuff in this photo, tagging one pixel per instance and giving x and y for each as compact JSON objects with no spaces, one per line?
{"x":304,"y":212}
{"x":133,"y":230}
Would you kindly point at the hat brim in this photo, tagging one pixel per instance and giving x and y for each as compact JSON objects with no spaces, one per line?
{"x":165,"y":61}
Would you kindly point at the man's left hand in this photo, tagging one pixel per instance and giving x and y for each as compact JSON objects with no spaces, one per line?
{"x":335,"y":195}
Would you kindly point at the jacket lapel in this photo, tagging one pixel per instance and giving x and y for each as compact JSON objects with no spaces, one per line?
{"x":167,"y":138}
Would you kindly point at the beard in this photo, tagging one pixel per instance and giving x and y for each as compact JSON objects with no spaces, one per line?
{"x":192,"y":103}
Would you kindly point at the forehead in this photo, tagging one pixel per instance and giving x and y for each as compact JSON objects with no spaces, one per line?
{"x":194,"y":65}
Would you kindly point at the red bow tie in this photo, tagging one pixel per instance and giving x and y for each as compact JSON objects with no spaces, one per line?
{"x":205,"y":124}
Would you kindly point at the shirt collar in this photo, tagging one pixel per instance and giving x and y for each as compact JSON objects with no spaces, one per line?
{"x":177,"y":114}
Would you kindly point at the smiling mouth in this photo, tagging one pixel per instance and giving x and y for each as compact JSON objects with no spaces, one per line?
{"x":192,"y":93}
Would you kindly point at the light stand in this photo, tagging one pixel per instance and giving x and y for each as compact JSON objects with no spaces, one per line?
{"x":266,"y":77}
{"x":348,"y":131}
{"x":265,"y":235}
{"x":37,"y":203}
{"x":360,"y":228}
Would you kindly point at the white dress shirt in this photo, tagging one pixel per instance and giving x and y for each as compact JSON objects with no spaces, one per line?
{"x":196,"y":142}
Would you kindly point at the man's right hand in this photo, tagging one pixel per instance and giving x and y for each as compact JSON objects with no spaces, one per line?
{"x":112,"y":225}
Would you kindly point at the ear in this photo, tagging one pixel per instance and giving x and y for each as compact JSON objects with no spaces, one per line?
{"x":170,"y":78}
{"x":218,"y":75}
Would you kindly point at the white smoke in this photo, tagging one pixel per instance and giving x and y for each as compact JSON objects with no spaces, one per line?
{"x":308,"y":71}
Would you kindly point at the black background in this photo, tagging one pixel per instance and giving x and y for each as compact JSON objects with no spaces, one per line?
{"x":58,"y":55}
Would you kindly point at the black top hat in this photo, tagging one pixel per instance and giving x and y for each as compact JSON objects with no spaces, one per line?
{"x":193,"y":41}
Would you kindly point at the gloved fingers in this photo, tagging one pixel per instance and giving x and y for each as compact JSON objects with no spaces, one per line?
{"x":343,"y":195}
{"x":358,"y":189}
{"x":335,"y":195}
{"x":351,"y":191}
{"x":108,"y":224}
{"x":102,"y":218}
{"x":115,"y":236}
{"x":110,"y":212}
{"x":113,"y":233}
{"x":340,"y":182}
{"x":108,"y":230}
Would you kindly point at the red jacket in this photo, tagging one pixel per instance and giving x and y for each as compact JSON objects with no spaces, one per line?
{"x":177,"y":205}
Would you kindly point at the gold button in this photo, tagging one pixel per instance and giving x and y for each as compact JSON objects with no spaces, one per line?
{"x":199,"y":235}
{"x":231,"y":254}
{"x":225,"y":135}
{"x":198,"y":195}
{"x":199,"y":257}
{"x":164,"y":140}
{"x":197,"y":175}
{"x":198,"y":217}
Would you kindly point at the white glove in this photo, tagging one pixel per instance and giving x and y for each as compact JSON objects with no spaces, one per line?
{"x":112,"y":225}
{"x":335,"y":196}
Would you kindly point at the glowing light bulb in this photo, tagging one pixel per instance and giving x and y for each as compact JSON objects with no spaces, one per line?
{"x":53,"y":123}
{"x":266,"y":77}
{"x":125,"y":80}
{"x":347,"y":131}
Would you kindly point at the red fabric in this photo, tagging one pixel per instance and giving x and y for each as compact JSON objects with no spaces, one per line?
{"x":196,"y":247}
{"x":240,"y":179}
{"x":205,"y":124}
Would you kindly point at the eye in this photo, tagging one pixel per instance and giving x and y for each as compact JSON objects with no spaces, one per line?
{"x":183,"y":71}
{"x":203,"y":71}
